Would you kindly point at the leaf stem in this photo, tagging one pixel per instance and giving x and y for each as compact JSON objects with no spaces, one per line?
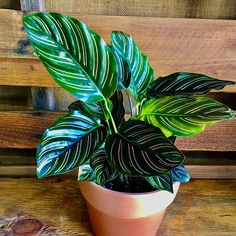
{"x":109,"y":118}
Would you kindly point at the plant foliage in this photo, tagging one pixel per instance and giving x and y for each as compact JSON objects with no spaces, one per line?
{"x":94,"y":135}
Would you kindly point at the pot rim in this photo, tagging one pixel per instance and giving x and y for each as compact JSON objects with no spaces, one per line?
{"x":113,"y":192}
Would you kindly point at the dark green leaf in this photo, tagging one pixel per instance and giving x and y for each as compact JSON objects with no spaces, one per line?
{"x":92,"y":109}
{"x":185,"y":84}
{"x":86,"y":173}
{"x":141,"y":72}
{"x":118,"y":110}
{"x":180,"y":174}
{"x":103,"y":171}
{"x":140,"y":149}
{"x":163,"y":182}
{"x":180,"y":116}
{"x":75,"y":56}
{"x":68,"y":143}
{"x":124,"y":71}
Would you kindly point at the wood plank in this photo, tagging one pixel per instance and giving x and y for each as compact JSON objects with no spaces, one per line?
{"x":196,"y":171}
{"x":200,"y":208}
{"x":23,"y":130}
{"x":54,"y":204}
{"x":10,"y":4}
{"x":211,"y":9}
{"x":204,"y":46}
{"x":15,"y":98}
{"x":32,"y":5}
{"x":219,"y":137}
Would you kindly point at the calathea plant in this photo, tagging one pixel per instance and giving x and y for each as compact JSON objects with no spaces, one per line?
{"x":94,"y":134}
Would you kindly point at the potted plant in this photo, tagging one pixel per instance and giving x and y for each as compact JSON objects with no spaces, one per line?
{"x":130,"y":169}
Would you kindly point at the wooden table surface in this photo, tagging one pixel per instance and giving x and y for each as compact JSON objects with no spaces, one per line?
{"x":55,"y":207}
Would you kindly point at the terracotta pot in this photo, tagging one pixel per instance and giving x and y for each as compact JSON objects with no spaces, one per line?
{"x":125,"y":214}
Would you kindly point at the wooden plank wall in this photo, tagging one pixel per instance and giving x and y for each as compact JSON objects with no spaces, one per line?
{"x":198,"y":45}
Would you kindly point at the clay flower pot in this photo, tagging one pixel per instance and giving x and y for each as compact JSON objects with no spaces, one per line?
{"x":125,"y":214}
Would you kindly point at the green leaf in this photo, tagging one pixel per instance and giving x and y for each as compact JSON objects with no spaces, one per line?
{"x":68,"y":143}
{"x":180,"y":116}
{"x":185,"y":84}
{"x":180,"y":174}
{"x":140,"y":149}
{"x":124,"y":71}
{"x":118,"y":110}
{"x":75,"y":56}
{"x":115,"y":105}
{"x":141,"y":72}
{"x":103,"y":171}
{"x":92,"y":109}
{"x":86,"y":173}
{"x":163,"y":182}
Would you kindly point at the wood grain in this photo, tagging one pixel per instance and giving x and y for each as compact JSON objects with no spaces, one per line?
{"x":213,"y":9}
{"x":223,"y":171}
{"x":219,"y":137}
{"x":55,"y":206}
{"x":204,"y":46}
{"x":23,"y":130}
{"x":32,"y":5}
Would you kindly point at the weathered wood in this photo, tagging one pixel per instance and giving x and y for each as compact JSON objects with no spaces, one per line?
{"x":219,"y":137}
{"x":55,"y":206}
{"x":10,"y":4}
{"x":204,"y":46}
{"x":196,"y":171}
{"x":32,"y":5}
{"x":214,"y":9}
{"x":15,"y":98}
{"x":41,"y":202}
{"x":23,"y":130}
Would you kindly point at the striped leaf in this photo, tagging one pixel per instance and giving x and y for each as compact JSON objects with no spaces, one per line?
{"x":92,"y":109}
{"x":103,"y":171}
{"x":180,"y":174}
{"x":68,"y":143}
{"x":118,"y":110}
{"x":124,"y":71}
{"x":181,"y":116}
{"x":185,"y":84}
{"x":86,"y":173}
{"x":141,"y":72}
{"x":140,"y":149}
{"x":163,"y":182}
{"x":75,"y":56}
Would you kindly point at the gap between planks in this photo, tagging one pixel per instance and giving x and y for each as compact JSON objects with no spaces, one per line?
{"x":196,"y":171}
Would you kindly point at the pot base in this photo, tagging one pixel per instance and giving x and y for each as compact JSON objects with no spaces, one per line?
{"x":103,"y":224}
{"x":125,"y":214}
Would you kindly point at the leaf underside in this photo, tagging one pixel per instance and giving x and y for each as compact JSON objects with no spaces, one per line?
{"x":180,"y":174}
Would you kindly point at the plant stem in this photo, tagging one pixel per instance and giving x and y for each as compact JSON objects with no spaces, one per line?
{"x":111,"y":117}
